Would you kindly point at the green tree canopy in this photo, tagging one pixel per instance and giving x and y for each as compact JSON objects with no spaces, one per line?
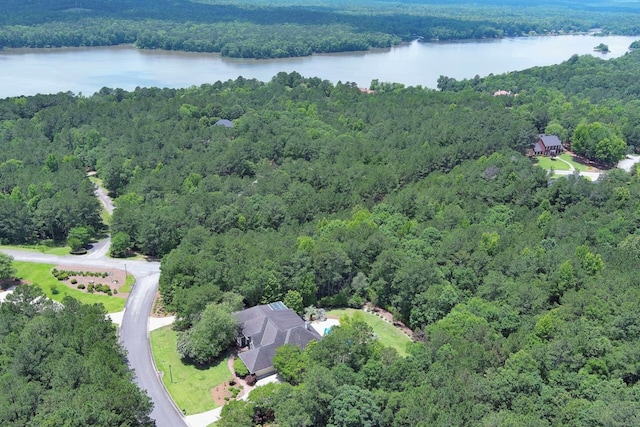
{"x":210,"y":336}
{"x":7,"y":270}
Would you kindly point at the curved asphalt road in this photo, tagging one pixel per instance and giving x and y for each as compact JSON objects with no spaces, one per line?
{"x":134,"y":335}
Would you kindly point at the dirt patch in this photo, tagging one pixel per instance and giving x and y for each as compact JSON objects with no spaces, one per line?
{"x":223,"y":393}
{"x":232,"y":389}
{"x":113,"y":278}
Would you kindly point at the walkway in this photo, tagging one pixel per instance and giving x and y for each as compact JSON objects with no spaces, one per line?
{"x":593,"y":176}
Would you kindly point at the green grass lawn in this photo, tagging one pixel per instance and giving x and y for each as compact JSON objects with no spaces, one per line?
{"x":576,"y":165}
{"x":549,"y":162}
{"x":49,"y":250}
{"x":191,"y":387}
{"x":40,"y":275}
{"x":128,"y":283}
{"x":386,"y":332}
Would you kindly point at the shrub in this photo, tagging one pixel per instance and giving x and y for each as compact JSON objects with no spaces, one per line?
{"x":251,"y":379}
{"x":62,"y":275}
{"x":234,"y":391}
{"x":54,"y":289}
{"x":240,"y":368}
{"x":115,"y":291}
{"x":81,"y":286}
{"x":74,"y":281}
{"x":90,"y":288}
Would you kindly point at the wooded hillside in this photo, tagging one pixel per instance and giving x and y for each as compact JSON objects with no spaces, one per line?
{"x":276,"y":29}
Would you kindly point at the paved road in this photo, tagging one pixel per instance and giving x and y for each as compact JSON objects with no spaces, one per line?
{"x":104,"y":198}
{"x":628,"y":162}
{"x":134,"y":330}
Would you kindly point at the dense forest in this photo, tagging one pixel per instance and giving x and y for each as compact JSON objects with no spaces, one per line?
{"x":521,"y":289}
{"x":274,"y":29}
{"x":60,"y":365}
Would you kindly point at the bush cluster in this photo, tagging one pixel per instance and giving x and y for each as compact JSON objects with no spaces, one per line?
{"x":99,"y":287}
{"x":234,"y":391}
{"x":61,"y":273}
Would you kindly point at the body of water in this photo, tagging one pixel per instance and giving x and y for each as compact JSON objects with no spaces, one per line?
{"x":87,"y":70}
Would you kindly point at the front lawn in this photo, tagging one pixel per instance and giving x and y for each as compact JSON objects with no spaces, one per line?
{"x":49,"y":250}
{"x":551,"y":162}
{"x":189,"y":387}
{"x":578,"y":166}
{"x":388,"y":334}
{"x":40,"y":275}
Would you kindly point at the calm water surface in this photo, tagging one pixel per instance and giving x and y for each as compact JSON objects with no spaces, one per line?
{"x":87,"y":70}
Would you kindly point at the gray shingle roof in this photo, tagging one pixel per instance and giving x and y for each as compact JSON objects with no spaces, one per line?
{"x":269,"y":329}
{"x":551,"y":141}
{"x":224,"y":122}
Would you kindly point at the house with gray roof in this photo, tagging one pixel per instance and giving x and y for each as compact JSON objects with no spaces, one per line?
{"x":548,"y":145}
{"x":264,"y":328}
{"x":224,"y":122}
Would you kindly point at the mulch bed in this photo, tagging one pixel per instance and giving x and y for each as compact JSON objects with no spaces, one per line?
{"x":5,"y":284}
{"x":222,"y":394}
{"x":115,"y":279}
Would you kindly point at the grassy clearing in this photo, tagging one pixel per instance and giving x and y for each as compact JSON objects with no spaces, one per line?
{"x":191,"y":387}
{"x":40,"y":275}
{"x":550,"y":162}
{"x":49,"y":250}
{"x":128,"y":284}
{"x":386,"y":332}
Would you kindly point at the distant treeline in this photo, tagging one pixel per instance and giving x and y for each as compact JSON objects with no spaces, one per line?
{"x":272,"y":30}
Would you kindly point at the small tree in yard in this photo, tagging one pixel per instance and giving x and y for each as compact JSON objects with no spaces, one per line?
{"x":7,"y":270}
{"x":120,"y":245}
{"x":290,"y":362}
{"x":78,"y":238}
{"x":293,"y":300}
{"x":210,"y":336}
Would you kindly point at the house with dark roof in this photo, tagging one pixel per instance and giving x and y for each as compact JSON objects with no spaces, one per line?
{"x":264,"y":328}
{"x":224,"y":122}
{"x":548,"y":145}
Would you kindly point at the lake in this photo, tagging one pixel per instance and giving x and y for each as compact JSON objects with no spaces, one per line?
{"x":87,"y":70}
